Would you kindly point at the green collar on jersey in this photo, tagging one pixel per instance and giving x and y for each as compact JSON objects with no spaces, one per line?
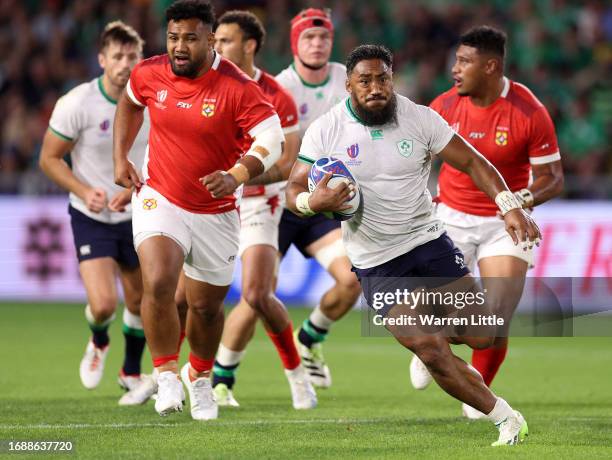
{"x":349,"y":107}
{"x":310,"y":85}
{"x":104,"y":93}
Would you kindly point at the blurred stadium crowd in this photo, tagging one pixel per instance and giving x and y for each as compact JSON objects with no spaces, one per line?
{"x":561,"y":49}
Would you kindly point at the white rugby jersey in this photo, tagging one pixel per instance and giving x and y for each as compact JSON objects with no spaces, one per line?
{"x":314,"y":100}
{"x":85,"y":116}
{"x":391,"y":164}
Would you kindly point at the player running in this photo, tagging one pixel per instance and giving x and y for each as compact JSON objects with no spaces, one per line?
{"x":510,"y":126}
{"x":316,"y":85}
{"x":238,"y":38}
{"x":81,"y":124}
{"x":391,"y":237}
{"x":185,"y":216}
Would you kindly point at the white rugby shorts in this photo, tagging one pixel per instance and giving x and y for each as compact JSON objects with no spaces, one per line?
{"x":209,"y":241}
{"x":259,"y":219}
{"x":480,"y":236}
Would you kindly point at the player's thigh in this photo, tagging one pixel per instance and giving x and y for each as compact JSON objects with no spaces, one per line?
{"x":496,"y":242}
{"x":463,"y":229}
{"x":162,"y":239}
{"x":259,"y":222}
{"x":503,"y":277}
{"x":322,"y":240}
{"x":215,"y":242}
{"x":99,"y":278}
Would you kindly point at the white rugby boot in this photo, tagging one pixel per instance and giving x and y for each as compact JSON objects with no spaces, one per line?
{"x":419,"y":374}
{"x":513,"y":430}
{"x":170,"y":393}
{"x":141,"y":392}
{"x":225,"y":396}
{"x":314,"y":363}
{"x":302,"y":392}
{"x":92,"y":365}
{"x":201,"y":398}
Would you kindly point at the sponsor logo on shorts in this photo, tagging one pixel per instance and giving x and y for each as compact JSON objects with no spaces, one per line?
{"x":459,"y":261}
{"x":149,"y":203}
{"x":231,"y":258}
{"x":433,"y":228}
{"x":85,"y":250}
{"x":208,"y":110}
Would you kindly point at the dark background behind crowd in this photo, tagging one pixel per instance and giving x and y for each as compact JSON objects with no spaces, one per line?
{"x":560,"y":49}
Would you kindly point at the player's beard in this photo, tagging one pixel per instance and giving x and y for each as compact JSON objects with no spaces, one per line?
{"x":378,"y":117}
{"x":189,"y":71}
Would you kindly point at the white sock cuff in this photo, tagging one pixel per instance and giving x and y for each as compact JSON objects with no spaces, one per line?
{"x":131,"y":320}
{"x":500,"y":412}
{"x":227,"y":357}
{"x":91,"y":320}
{"x":318,"y":319}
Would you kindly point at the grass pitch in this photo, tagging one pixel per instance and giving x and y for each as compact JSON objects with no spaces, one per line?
{"x":561,"y":385}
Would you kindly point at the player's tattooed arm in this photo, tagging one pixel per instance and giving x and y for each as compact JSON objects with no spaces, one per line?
{"x":280,"y":170}
{"x":272,"y":175}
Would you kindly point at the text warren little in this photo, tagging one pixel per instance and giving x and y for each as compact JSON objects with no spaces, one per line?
{"x":433,"y":320}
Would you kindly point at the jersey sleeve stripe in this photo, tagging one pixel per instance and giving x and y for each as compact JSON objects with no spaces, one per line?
{"x":305,"y":159}
{"x":60,"y":135}
{"x":545,"y":159}
{"x":263,"y":125}
{"x":291,"y":129}
{"x":130,"y":93}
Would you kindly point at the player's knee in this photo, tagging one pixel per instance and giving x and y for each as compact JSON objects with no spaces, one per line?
{"x":430,"y":352}
{"x":180,"y":298}
{"x":159,"y":291}
{"x":207,"y":311}
{"x":480,"y":343}
{"x":103,"y":308}
{"x":351,"y":287}
{"x":257,"y":296}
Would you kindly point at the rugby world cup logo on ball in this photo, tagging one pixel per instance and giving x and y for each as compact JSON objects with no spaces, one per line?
{"x":340,"y":173}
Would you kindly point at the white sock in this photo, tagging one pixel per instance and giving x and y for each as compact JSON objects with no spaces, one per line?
{"x":227,"y":357}
{"x":500,"y":412}
{"x":131,"y":320}
{"x":318,"y":319}
{"x":92,"y":321}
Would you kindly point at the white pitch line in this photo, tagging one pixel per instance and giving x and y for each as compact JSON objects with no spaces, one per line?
{"x":85,"y":426}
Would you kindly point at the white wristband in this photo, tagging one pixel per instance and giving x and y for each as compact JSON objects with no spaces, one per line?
{"x":525,"y":198}
{"x":301,"y":203}
{"x":506,"y":201}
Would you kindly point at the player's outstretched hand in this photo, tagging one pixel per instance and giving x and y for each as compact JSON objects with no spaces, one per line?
{"x":522,"y":229}
{"x":220,"y":183}
{"x":95,"y":199}
{"x":326,"y":199}
{"x":120,"y":200}
{"x":126,"y":175}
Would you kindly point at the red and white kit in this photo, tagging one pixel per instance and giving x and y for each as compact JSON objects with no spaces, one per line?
{"x":261,"y":206}
{"x":197,"y":127}
{"x":513,"y":133}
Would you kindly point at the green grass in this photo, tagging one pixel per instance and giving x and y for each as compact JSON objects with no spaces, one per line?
{"x":561,"y":385}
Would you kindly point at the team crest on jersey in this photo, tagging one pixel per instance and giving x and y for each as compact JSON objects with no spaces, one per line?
{"x":404,"y":147}
{"x":208,"y":109}
{"x":149,"y":204}
{"x":501,"y":137}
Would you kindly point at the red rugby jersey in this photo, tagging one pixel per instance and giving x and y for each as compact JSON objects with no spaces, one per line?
{"x":513,"y":132}
{"x":197,"y":127}
{"x":285,"y":107}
